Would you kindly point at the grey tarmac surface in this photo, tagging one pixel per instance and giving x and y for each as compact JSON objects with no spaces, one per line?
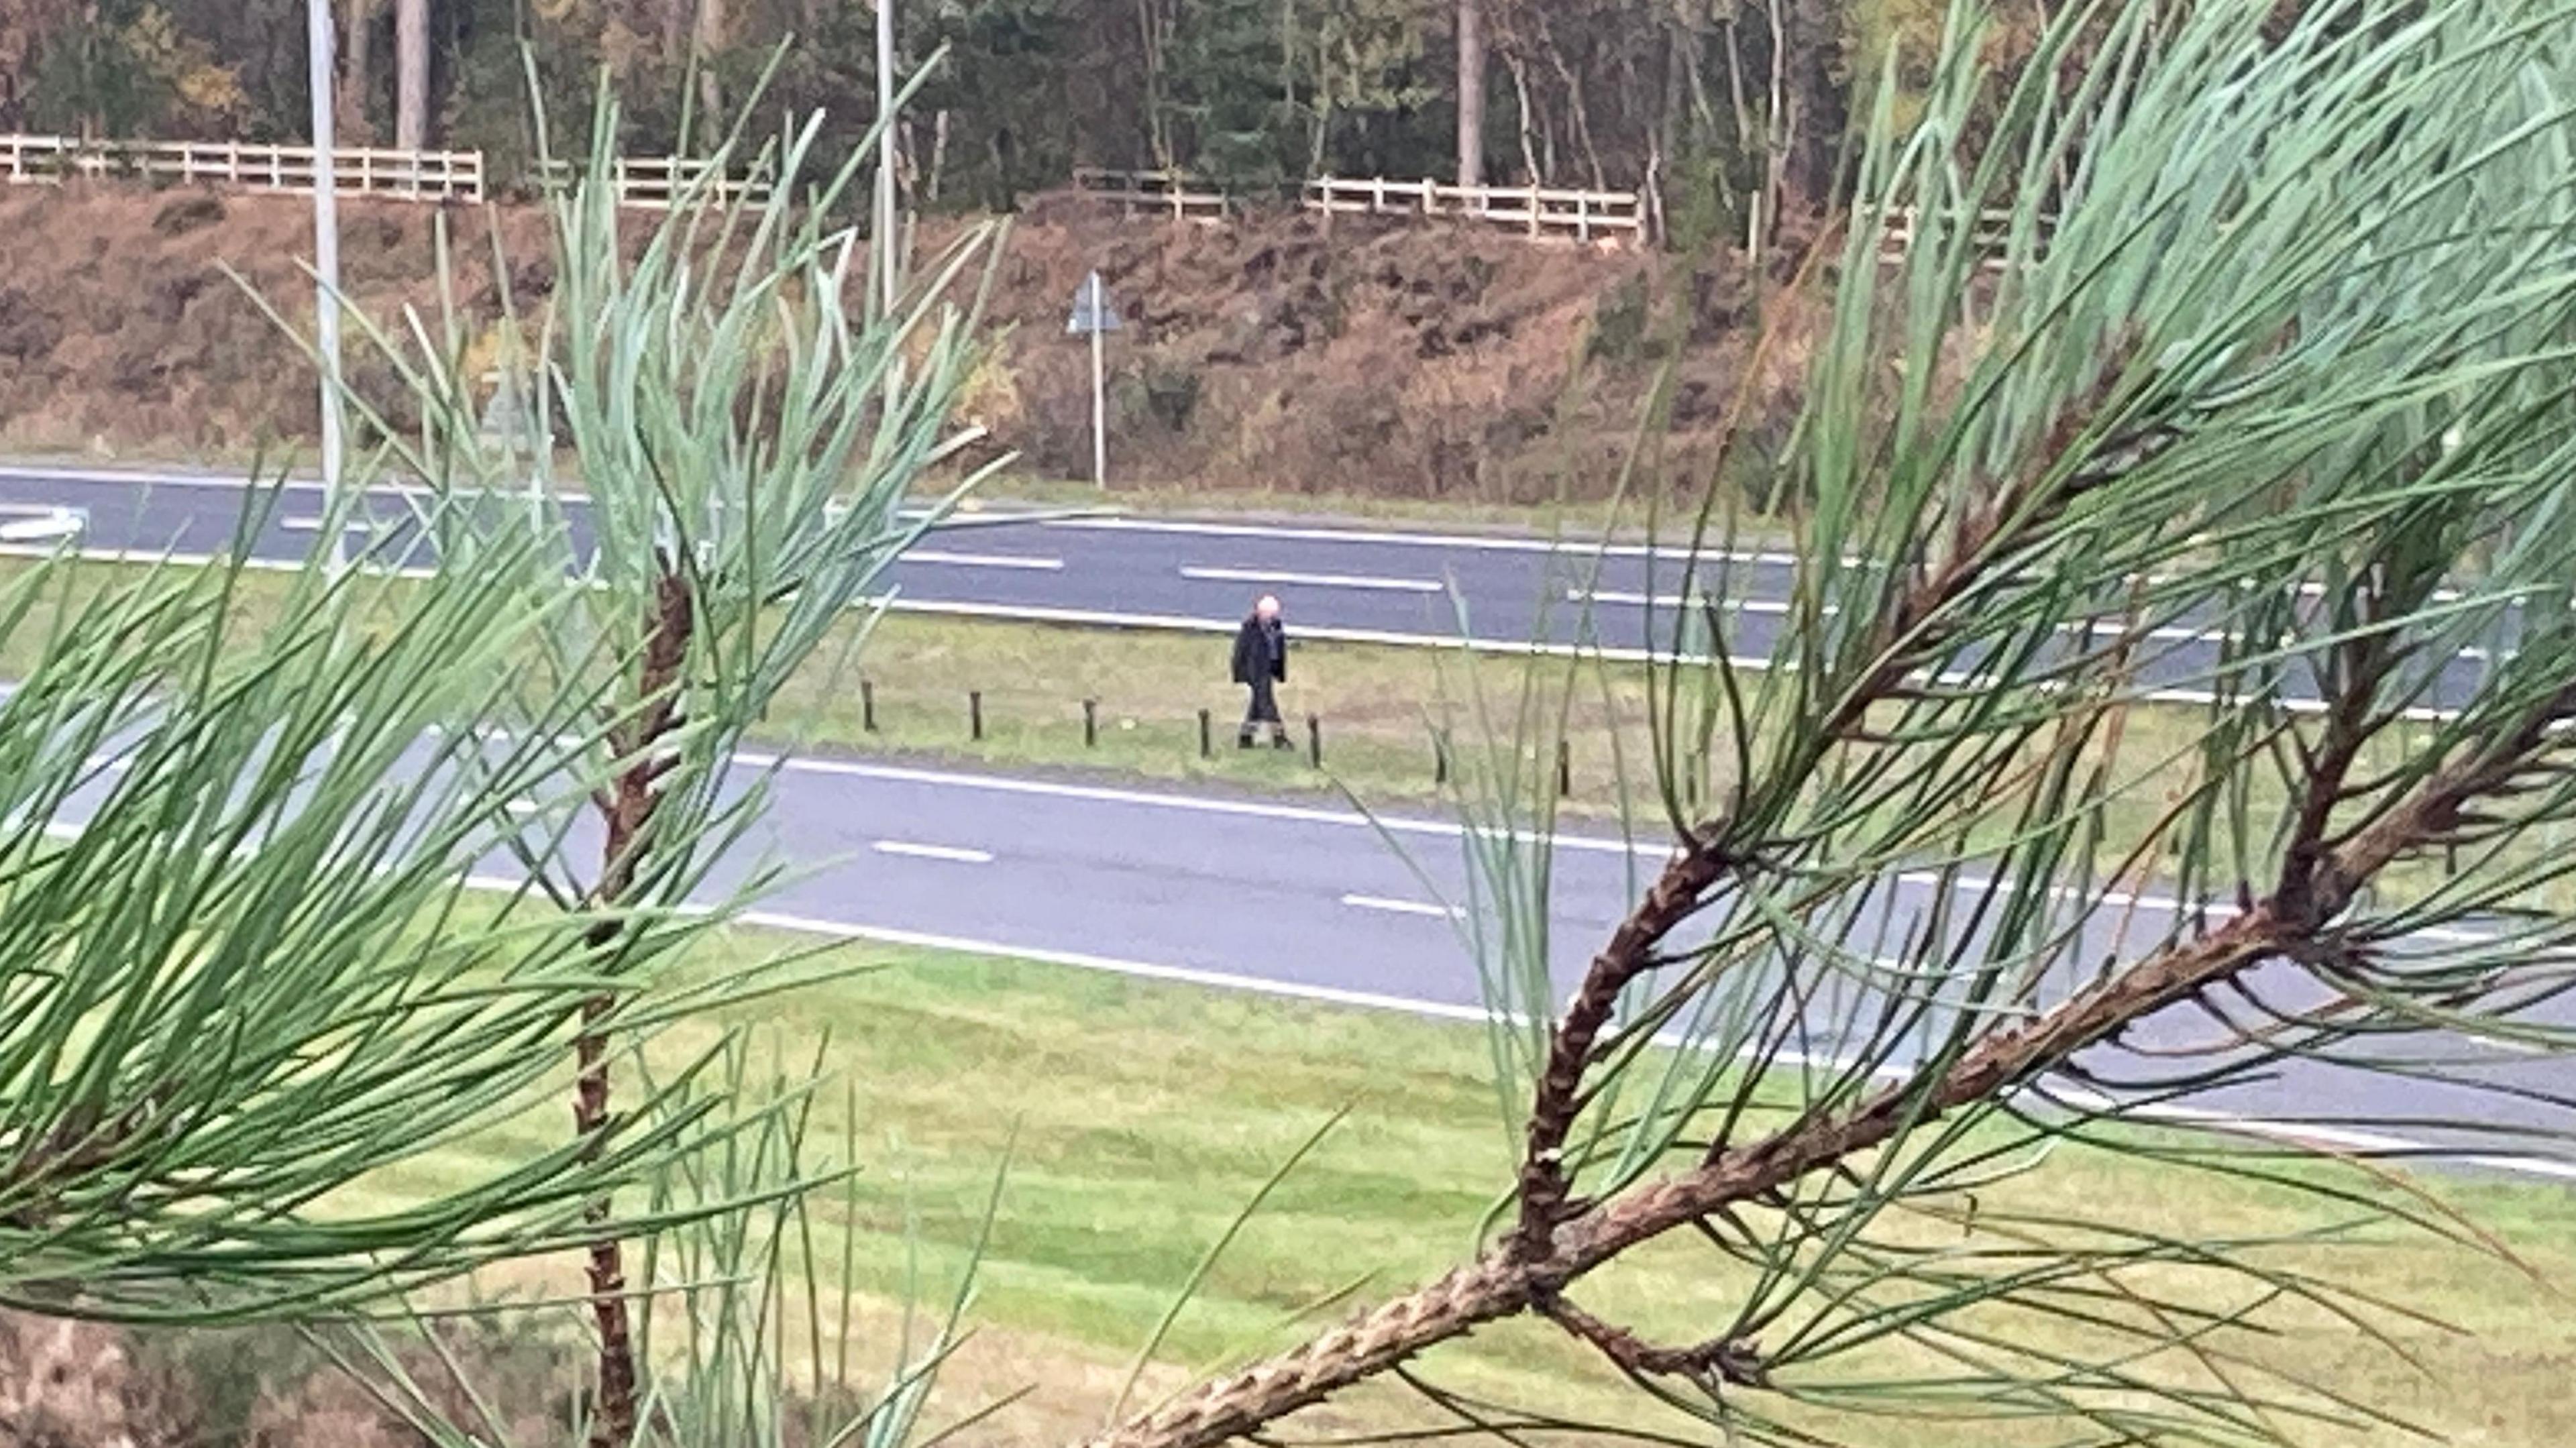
{"x":1397,"y":586}
{"x":1303,"y":901}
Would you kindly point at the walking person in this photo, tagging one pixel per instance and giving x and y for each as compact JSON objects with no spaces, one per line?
{"x":1261,"y":663}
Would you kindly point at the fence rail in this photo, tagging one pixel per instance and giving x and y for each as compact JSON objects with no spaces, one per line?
{"x":1534,"y":210}
{"x":356,"y":170}
{"x":656,"y":183}
{"x":1167,"y":192}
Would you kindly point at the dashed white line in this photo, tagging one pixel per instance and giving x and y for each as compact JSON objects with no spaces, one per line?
{"x":954,"y":854}
{"x":1675,"y":600}
{"x":1483,"y":543}
{"x":1313,"y":580}
{"x":1394,"y":906}
{"x":982,"y":560}
{"x":314,"y":525}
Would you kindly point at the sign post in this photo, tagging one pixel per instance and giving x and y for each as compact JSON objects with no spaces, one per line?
{"x":1094,"y":317}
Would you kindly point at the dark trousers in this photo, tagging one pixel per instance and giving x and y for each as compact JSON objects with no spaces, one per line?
{"x":1264,"y":708}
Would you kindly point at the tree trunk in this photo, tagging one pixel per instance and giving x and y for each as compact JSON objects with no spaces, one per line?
{"x":357,"y":29}
{"x":707,"y":43}
{"x":1818,"y":102}
{"x":411,"y":74}
{"x":1471,"y":93}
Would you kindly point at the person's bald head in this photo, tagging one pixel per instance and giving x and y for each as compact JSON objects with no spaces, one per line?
{"x":1268,"y":607}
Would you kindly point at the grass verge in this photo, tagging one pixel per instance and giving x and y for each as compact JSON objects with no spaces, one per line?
{"x":1139,"y":1117}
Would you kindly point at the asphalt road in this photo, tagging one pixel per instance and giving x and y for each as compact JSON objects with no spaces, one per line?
{"x":1304,"y":901}
{"x":1344,"y":583}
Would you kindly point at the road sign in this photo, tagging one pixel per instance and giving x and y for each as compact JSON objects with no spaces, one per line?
{"x":1093,"y":316}
{"x":1092,"y":313}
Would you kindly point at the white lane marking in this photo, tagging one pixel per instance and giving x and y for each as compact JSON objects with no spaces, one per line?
{"x":981,"y":560}
{"x":2107,"y":630}
{"x":1191,"y":803}
{"x":522,"y":806}
{"x":1394,"y":906}
{"x":1183,"y":624}
{"x":1675,"y":600}
{"x":136,"y":477}
{"x":41,"y":523}
{"x":1490,"y":543}
{"x":314,"y":525}
{"x":2295,"y":1132}
{"x":1312,"y":580}
{"x":954,"y":854}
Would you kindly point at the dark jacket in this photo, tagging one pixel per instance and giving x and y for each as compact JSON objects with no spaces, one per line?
{"x":1260,"y":648}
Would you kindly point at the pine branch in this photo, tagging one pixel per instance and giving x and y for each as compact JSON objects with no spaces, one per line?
{"x":629,"y":812}
{"x":1506,"y":1282}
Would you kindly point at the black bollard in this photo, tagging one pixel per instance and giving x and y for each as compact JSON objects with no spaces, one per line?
{"x":975,"y":714}
{"x":1439,"y":760}
{"x":1315,"y":741}
{"x":1091,"y":723}
{"x":1207,"y":736}
{"x":868,"y":705}
{"x":1564,"y":767}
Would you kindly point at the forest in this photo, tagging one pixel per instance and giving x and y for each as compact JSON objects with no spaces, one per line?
{"x":1685,"y":100}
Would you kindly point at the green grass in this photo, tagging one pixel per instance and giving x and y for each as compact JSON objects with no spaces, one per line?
{"x":1139,"y":1117}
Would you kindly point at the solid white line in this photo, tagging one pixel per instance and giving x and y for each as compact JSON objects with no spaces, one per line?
{"x":314,"y":525}
{"x":1312,"y":580}
{"x":981,"y":560}
{"x":1142,"y":970}
{"x":954,"y":854}
{"x":1190,"y":803}
{"x":1401,"y":907}
{"x":2295,"y":1132}
{"x":136,"y":477}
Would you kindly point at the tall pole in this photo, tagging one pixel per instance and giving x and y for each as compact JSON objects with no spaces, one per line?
{"x":885,"y":155}
{"x":326,"y":266}
{"x":1099,"y":395}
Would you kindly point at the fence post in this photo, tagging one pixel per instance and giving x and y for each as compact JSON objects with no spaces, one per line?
{"x":1430,"y":190}
{"x":1090,"y":723}
{"x":1583,"y":216}
{"x":1564,"y":767}
{"x":975,"y":715}
{"x":1315,"y":741}
{"x":1207,"y":736}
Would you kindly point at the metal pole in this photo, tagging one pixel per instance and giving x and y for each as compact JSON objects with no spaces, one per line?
{"x":326,"y":266}
{"x":885,"y":154}
{"x":1099,"y":403}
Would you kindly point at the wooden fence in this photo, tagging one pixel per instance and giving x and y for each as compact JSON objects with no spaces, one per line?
{"x":356,"y":170}
{"x":656,"y":183}
{"x":1166,"y":193}
{"x":1537,"y":211}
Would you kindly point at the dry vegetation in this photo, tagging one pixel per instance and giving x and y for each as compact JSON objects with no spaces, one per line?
{"x":1277,"y":355}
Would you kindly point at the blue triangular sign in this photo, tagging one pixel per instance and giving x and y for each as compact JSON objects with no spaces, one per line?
{"x":1091,"y":309}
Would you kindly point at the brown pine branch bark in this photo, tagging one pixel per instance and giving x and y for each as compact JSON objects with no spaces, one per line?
{"x":1914,"y":626}
{"x":1508,"y":1280}
{"x":628,"y":808}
